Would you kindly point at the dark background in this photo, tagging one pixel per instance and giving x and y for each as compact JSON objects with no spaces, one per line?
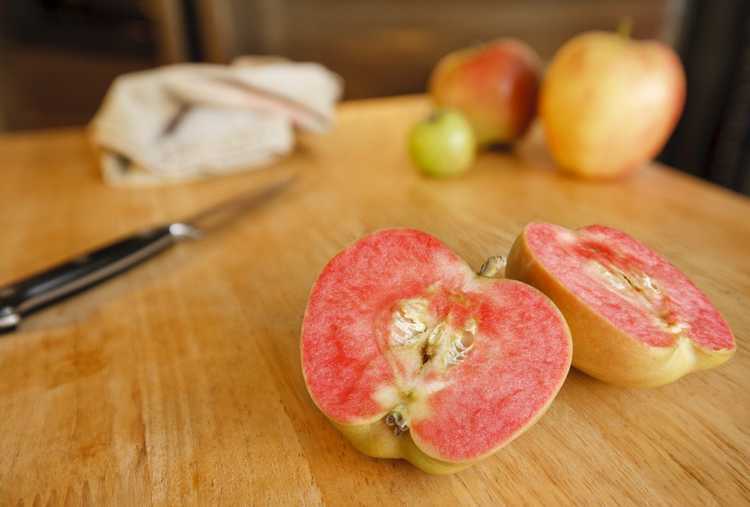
{"x":57,"y":57}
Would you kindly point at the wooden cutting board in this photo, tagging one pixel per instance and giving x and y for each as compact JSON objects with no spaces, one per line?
{"x":180,"y":384}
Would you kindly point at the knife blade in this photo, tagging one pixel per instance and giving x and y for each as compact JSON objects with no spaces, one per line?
{"x":25,"y":296}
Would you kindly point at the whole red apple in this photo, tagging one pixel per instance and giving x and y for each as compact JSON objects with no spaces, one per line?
{"x":495,"y":85}
{"x":609,"y":103}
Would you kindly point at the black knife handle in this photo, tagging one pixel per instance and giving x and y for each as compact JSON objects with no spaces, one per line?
{"x":70,"y":277}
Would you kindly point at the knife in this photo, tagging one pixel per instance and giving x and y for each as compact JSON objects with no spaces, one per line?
{"x":22,"y":297}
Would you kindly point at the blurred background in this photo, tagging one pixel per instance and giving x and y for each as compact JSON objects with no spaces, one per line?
{"x":57,"y":57}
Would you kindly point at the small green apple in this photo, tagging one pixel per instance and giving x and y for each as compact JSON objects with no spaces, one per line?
{"x":443,"y":144}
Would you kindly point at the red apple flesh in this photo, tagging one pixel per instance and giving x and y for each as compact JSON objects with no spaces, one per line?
{"x":636,"y":319}
{"x":608,"y":103}
{"x":495,"y":85}
{"x":412,"y":355}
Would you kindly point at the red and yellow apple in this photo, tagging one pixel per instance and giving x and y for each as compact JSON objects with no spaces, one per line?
{"x":495,"y":85}
{"x":609,"y":103}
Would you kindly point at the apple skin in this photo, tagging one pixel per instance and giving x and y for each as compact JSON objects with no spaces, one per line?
{"x":378,"y":441}
{"x":443,"y":144}
{"x":608,"y":103}
{"x":495,"y":85}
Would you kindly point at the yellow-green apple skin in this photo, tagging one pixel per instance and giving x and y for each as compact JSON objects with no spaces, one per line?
{"x":442,"y":144}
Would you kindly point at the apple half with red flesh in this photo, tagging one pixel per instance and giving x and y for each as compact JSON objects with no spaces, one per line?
{"x":636,"y":319}
{"x":413,"y":355}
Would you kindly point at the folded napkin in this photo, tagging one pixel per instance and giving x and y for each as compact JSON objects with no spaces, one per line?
{"x":189,"y":121}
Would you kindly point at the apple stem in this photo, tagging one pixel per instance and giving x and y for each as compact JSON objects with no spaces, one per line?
{"x":494,"y":267}
{"x":625,"y":27}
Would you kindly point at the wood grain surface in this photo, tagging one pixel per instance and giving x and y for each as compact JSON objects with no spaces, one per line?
{"x":180,"y":383}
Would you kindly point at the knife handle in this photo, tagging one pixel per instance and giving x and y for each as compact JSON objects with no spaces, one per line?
{"x":71,"y":277}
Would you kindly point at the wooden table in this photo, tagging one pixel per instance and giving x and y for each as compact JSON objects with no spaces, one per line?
{"x":180,"y":383}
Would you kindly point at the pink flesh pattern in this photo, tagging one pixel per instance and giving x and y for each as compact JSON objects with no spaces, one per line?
{"x":519,"y":358}
{"x":686,"y":303}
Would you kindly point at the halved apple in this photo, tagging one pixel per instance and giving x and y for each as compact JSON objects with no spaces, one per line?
{"x":636,"y":319}
{"x":413,"y":355}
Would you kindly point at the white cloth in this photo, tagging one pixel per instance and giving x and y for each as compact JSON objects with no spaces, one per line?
{"x":189,"y":121}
